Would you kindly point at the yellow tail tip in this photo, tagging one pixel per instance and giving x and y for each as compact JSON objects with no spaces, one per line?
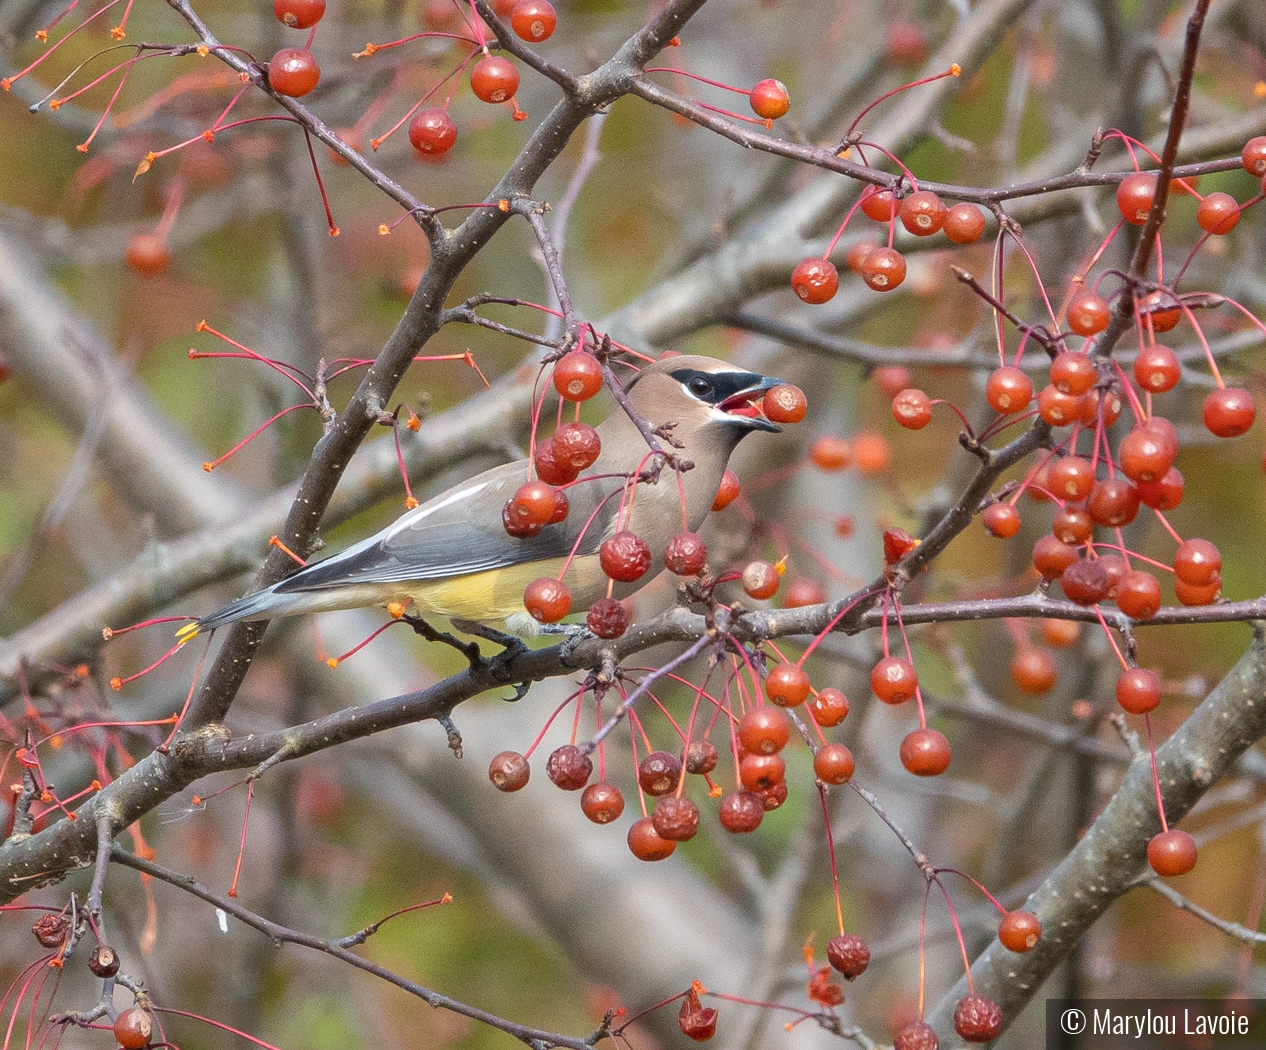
{"x":187,"y":633}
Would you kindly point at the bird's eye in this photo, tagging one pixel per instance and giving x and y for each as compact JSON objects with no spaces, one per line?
{"x":700,"y":387}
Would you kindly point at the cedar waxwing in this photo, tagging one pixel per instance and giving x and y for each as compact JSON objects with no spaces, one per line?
{"x":453,"y":557}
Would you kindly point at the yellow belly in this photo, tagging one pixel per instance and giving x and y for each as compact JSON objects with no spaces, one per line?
{"x":491,"y":597}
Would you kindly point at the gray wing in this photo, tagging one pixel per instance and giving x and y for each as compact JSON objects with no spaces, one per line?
{"x":460,"y":532}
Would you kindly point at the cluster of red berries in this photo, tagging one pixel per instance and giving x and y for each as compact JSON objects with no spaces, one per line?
{"x":922,"y":213}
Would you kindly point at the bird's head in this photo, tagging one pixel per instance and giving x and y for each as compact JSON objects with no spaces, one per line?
{"x":702,"y":394}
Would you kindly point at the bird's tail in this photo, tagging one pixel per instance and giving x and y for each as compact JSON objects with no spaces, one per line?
{"x":258,"y":606}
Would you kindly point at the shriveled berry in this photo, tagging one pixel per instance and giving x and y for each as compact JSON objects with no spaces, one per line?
{"x":1085,"y":582}
{"x":624,"y":557}
{"x":1171,"y":853}
{"x":769,"y":99}
{"x":533,"y":20}
{"x":829,"y":707}
{"x":608,"y":618}
{"x":916,"y":1036}
{"x":848,"y":954}
{"x":964,"y":223}
{"x":645,"y":843}
{"x":1019,"y":930}
{"x":1034,"y":670}
{"x":815,"y":280}
{"x":50,"y":930}
{"x":701,"y":757}
{"x":760,"y":579}
{"x":547,"y":599}
{"x":104,"y":961}
{"x":569,"y":767}
{"x":133,"y":1028}
{"x":494,"y":79}
{"x":509,"y":771}
{"x":923,"y":213}
{"x":549,"y":468}
{"x":833,"y":764}
{"x":1138,"y":690}
{"x":577,"y":375}
{"x":884,"y":269}
{"x":697,"y":1021}
{"x":602,"y":802}
{"x":1139,"y":595}
{"x":1008,"y":390}
{"x":741,"y":812}
{"x":785,"y":404}
{"x":1052,"y":558}
{"x":764,"y":730}
{"x":727,"y":492}
{"x":686,"y":554}
{"x":576,"y":446}
{"x":977,"y":1019}
{"x":787,"y":685}
{"x":759,"y":772}
{"x":912,"y":409}
{"x":925,"y":753}
{"x":894,"y":680}
{"x":676,"y":818}
{"x":659,"y":773}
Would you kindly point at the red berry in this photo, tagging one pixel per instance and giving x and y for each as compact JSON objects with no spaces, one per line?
{"x":763,"y":731}
{"x":569,"y":767}
{"x":772,"y":795}
{"x":1088,"y":313}
{"x":293,"y":71}
{"x":849,"y":954}
{"x":787,"y":685}
{"x":1198,"y":562}
{"x":547,"y":599}
{"x":1145,"y":454}
{"x":916,"y":1036}
{"x":686,"y":554}
{"x":1058,"y":408}
{"x":133,"y":1028}
{"x":1156,"y":369}
{"x":815,"y":280}
{"x":1073,"y":526}
{"x":1171,"y":853}
{"x":727,"y":492}
{"x":925,"y":753}
{"x":624,"y":557}
{"x":1162,"y":308}
{"x":494,"y":79}
{"x":1072,"y":478}
{"x":871,"y":452}
{"x":1253,"y":156}
{"x":1135,"y":195}
{"x":857,"y":252}
{"x":659,"y":773}
{"x":879,"y":205}
{"x":760,"y":580}
{"x":432,"y":131}
{"x":1138,"y":690}
{"x":576,"y":446}
{"x":602,"y":802}
{"x":701,"y":757}
{"x":804,"y":592}
{"x":147,"y":254}
{"x":883,"y":269}
{"x":977,"y":1019}
{"x":829,"y":707}
{"x":891,"y":379}
{"x":50,"y":930}
{"x":1034,"y":670}
{"x":785,"y":404}
{"x":1073,"y":373}
{"x":577,"y":375}
{"x":645,"y":843}
{"x":509,"y":771}
{"x":922,"y":213}
{"x":1113,"y":502}
{"x":533,"y":503}
{"x":548,"y":467}
{"x":760,"y":772}
{"x":1019,"y":930}
{"x":894,"y":680}
{"x":1218,"y":213}
{"x":533,"y":20}
{"x":905,"y":44}
{"x":741,"y":812}
{"x":1008,"y":390}
{"x":1001,"y":520}
{"x":676,"y":819}
{"x":912,"y":409}
{"x":769,"y":99}
{"x":1229,"y":411}
{"x":1086,"y":582}
{"x":298,"y":14}
{"x":964,"y":223}
{"x":1051,"y":557}
{"x":1197,"y":594}
{"x":1139,"y":595}
{"x":833,"y":764}
{"x":1061,"y":634}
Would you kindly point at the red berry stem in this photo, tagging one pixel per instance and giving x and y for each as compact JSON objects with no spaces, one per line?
{"x":550,"y":721}
{"x":325,"y":200}
{"x":830,"y":843}
{"x":1151,"y":747}
{"x":8,"y":82}
{"x":246,"y":819}
{"x":953,"y":71}
{"x":958,"y":934}
{"x":963,"y":875}
{"x":452,"y":78}
{"x":210,"y":465}
{"x":905,"y":641}
{"x":695,"y":76}
{"x":840,"y":232}
{"x":1125,"y":664}
{"x":334,"y":661}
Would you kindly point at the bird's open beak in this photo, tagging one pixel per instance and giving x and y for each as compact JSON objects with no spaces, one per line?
{"x":746,"y":405}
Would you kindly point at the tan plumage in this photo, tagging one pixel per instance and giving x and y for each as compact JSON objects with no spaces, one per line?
{"x":452,"y":557}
